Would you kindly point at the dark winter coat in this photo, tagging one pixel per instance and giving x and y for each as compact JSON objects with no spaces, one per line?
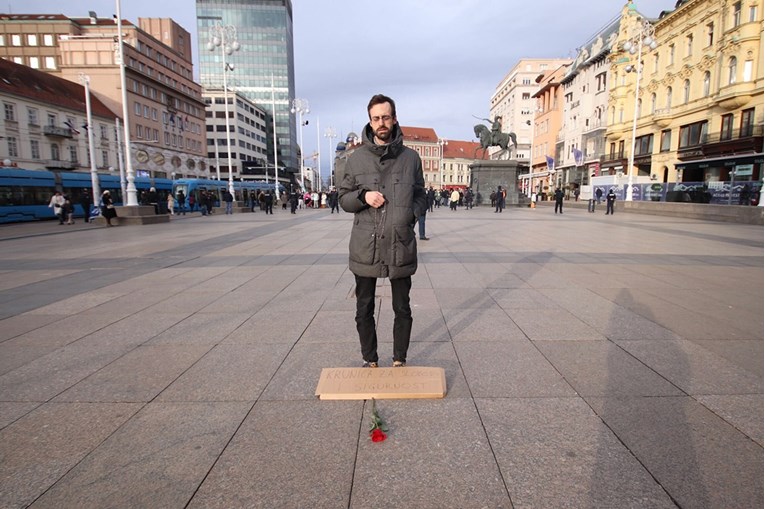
{"x":383,"y":242}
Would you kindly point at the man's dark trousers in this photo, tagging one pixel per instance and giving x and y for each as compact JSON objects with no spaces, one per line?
{"x":365,"y":317}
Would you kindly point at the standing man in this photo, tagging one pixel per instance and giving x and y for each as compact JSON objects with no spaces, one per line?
{"x":229,"y":199}
{"x":181,"y":201}
{"x":610,"y":199}
{"x":384,"y":188}
{"x":558,"y":200}
{"x":499,"y":202}
{"x":333,"y":200}
{"x":598,"y":194}
{"x":269,"y":203}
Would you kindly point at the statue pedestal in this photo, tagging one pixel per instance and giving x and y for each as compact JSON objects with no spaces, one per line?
{"x":487,"y":175}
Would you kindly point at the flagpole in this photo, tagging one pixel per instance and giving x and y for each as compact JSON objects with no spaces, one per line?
{"x":318,"y":151}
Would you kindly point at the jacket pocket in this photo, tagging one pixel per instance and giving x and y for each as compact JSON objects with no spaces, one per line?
{"x":403,"y":193}
{"x":404,"y":246}
{"x":362,"y":245}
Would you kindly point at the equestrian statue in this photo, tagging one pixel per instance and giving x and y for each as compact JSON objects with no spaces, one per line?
{"x":494,"y":137}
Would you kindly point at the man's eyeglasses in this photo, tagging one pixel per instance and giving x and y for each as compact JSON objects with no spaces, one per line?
{"x":384,"y":118}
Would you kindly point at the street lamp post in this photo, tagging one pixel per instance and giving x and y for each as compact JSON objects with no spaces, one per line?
{"x":132,"y":193}
{"x":300,"y":106}
{"x":224,"y":37}
{"x":330,"y":134}
{"x":85,"y":79}
{"x":642,"y":35}
{"x":442,"y":143}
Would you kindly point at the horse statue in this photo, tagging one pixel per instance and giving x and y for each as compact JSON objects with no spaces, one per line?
{"x":490,"y":139}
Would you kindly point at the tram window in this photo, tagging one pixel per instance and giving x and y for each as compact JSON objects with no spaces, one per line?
{"x":5,"y":197}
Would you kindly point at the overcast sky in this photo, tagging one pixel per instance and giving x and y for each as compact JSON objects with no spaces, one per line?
{"x":440,"y":60}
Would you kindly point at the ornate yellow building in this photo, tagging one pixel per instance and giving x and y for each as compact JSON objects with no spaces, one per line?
{"x":700,"y":104}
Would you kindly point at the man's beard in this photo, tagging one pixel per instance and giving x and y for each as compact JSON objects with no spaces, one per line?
{"x":383,"y":133}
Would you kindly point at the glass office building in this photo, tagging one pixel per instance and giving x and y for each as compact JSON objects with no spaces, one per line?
{"x":264,"y":32}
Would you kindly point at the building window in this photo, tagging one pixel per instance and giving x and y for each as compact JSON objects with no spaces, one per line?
{"x":752,"y":13}
{"x":18,"y":60}
{"x":686,"y":91}
{"x":689,"y":45}
{"x":710,"y":34}
{"x":137,"y":109}
{"x":726,"y":129}
{"x":104,"y":132}
{"x":732,"y":63}
{"x":32,"y":39}
{"x":644,"y":145}
{"x":48,"y":40}
{"x":655,"y":62}
{"x":621,"y":149}
{"x":139,"y":131}
{"x":51,"y":120}
{"x":736,"y":14}
{"x":671,"y":54}
{"x":2,"y":39}
{"x":666,"y":140}
{"x":10,"y":111}
{"x":748,"y":70}
{"x":73,"y":153}
{"x":34,"y":62}
{"x":640,"y":108}
{"x":653,"y":103}
{"x":693,"y":134}
{"x":33,"y":116}
{"x":707,"y":81}
{"x":50,"y":62}
{"x":54,"y":152}
{"x":13,"y":148}
{"x":34,"y":145}
{"x":15,"y":40}
{"x":669,"y":98}
{"x":747,"y":122}
{"x":105,"y":158}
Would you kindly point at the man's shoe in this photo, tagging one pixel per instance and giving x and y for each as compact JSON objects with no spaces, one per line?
{"x":369,"y":364}
{"x":399,"y":364}
{"x":424,"y":238}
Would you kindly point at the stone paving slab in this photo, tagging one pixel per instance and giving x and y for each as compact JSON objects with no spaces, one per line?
{"x":700,"y":459}
{"x":583,"y":369}
{"x":158,"y":459}
{"x":555,"y":452}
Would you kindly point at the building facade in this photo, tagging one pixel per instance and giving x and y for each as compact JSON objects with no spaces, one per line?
{"x":458,"y":156}
{"x":45,"y":126}
{"x":699,"y":115}
{"x":424,"y":141}
{"x":512,"y":100}
{"x":263,"y":68}
{"x":580,"y":144}
{"x":246,"y":132}
{"x":165,"y":107}
{"x":547,"y":122}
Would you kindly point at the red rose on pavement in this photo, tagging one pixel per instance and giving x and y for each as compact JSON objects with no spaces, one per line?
{"x":378,"y":428}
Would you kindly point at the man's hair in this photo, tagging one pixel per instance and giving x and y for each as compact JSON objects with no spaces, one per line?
{"x":382,"y":99}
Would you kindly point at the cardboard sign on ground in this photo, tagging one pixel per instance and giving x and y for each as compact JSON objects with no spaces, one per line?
{"x":382,"y":383}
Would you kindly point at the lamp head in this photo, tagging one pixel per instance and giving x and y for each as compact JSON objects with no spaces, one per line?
{"x":235,"y":46}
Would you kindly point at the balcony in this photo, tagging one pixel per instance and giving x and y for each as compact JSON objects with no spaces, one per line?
{"x":56,"y":164}
{"x":60,"y":132}
{"x":662,"y":117}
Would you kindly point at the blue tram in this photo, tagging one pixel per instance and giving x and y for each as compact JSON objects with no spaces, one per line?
{"x":25,"y":194}
{"x":244,"y":191}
